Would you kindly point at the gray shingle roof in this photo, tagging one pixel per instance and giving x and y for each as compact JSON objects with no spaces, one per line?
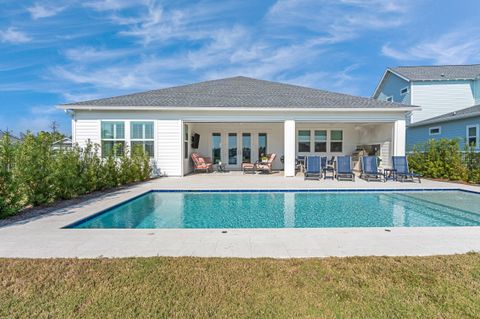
{"x":434,"y":72}
{"x":239,"y":92}
{"x":468,"y":112}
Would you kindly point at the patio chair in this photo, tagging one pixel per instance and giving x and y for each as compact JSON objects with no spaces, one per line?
{"x":201,"y":163}
{"x":313,"y":168}
{"x":344,"y":168}
{"x":266,"y":167}
{"x":370,"y":171}
{"x":400,"y":165}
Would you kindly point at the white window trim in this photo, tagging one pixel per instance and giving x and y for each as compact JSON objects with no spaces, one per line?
{"x":126,"y":130}
{"x":332,"y":140}
{"x":114,"y":131}
{"x":127,"y":138}
{"x":315,"y":141}
{"x":405,"y":88}
{"x":433,"y":128}
{"x":389,"y":97}
{"x":312,"y":140}
{"x":477,"y":127}
{"x":143,"y":134}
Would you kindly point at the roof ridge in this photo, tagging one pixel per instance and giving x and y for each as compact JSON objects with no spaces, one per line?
{"x":427,"y":66}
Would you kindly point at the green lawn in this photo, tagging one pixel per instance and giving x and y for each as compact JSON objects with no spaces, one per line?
{"x":371,"y":287}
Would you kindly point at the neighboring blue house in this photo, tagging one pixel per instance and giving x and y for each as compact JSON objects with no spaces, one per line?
{"x":437,"y":89}
{"x":463,"y":124}
{"x":449,"y":96}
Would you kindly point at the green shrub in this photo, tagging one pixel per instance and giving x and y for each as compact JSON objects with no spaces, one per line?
{"x":66,"y":171}
{"x":33,"y":168}
{"x":444,"y":159}
{"x":472,"y":162}
{"x":10,"y":196}
{"x":32,"y":173}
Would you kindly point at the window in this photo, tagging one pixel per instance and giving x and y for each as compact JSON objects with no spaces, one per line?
{"x":141,"y":135}
{"x":472,"y":135}
{"x":336,"y":141}
{"x":303,"y":141}
{"x":320,"y":141}
{"x":113,"y":138}
{"x":262,"y":145}
{"x":389,"y":99}
{"x":434,"y":130}
{"x":404,"y":91}
{"x":216,"y":148}
{"x":185,"y":141}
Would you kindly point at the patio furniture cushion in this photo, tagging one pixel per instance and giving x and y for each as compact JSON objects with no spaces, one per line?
{"x":266,"y":166}
{"x":201,"y":162}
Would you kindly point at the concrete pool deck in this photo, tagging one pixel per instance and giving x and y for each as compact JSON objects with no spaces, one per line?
{"x":43,"y":236}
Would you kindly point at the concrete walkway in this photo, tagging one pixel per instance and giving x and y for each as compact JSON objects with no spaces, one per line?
{"x":42,"y":236}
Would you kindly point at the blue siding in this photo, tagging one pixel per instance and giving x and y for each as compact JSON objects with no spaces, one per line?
{"x":392,"y":85}
{"x":450,"y":130}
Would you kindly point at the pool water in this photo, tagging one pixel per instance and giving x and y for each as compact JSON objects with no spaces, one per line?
{"x":291,"y":210}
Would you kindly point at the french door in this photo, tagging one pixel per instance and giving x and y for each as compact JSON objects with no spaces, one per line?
{"x":239,"y":149}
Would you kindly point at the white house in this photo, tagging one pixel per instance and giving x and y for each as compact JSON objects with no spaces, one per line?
{"x":236,"y":119}
{"x":437,"y":89}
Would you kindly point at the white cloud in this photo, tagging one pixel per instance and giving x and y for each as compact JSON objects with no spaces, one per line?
{"x":456,"y":47}
{"x":90,"y":54}
{"x":38,"y":11}
{"x":106,"y":5}
{"x":12,"y":35}
{"x":44,"y":109}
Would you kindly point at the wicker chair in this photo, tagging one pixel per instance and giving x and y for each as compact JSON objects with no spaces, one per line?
{"x":266,"y":167}
{"x":201,"y":163}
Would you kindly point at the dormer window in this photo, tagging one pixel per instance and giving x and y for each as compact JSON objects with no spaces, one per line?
{"x":389,"y":99}
{"x":404,"y":91}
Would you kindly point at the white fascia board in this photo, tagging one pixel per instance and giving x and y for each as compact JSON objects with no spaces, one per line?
{"x":228,"y":109}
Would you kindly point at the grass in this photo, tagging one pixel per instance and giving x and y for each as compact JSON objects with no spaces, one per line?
{"x":367,"y":287}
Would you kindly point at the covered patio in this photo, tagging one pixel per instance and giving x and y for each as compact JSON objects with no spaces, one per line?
{"x":234,"y":143}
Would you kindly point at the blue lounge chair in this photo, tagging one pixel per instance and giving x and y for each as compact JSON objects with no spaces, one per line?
{"x":370,"y":171}
{"x":400,"y":165}
{"x":344,"y":168}
{"x":312,"y":167}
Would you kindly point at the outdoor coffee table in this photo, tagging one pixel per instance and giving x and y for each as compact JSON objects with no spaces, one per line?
{"x":220,"y":167}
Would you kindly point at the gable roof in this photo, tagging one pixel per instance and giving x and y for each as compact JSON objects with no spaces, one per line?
{"x":236,"y":92}
{"x":439,"y":72}
{"x":468,"y":112}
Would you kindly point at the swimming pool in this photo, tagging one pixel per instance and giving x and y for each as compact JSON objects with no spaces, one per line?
{"x":291,"y":209}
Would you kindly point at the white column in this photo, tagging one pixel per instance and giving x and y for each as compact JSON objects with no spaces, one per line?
{"x":399,"y":136}
{"x":289,"y":148}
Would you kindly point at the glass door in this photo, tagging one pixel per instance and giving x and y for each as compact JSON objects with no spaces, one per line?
{"x":232,"y":149}
{"x":246,"y":147}
{"x":216,"y":148}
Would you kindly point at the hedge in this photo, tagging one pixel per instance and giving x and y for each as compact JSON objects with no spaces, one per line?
{"x":444,"y":159}
{"x":32,"y":173}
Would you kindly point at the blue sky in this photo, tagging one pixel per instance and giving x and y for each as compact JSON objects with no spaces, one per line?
{"x":53,"y":52}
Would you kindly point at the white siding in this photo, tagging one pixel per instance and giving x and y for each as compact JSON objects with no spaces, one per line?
{"x":440,"y":97}
{"x":85,"y":130}
{"x":169,"y":146}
